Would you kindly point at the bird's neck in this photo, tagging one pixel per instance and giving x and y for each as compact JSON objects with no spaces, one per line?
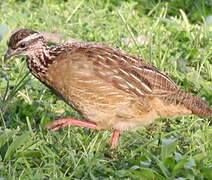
{"x":42,"y":58}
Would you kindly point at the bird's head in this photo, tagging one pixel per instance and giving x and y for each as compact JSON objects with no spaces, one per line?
{"x":24,"y":42}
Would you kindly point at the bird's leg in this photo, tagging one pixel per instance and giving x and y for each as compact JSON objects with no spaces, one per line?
{"x":115,"y":138}
{"x":61,"y":123}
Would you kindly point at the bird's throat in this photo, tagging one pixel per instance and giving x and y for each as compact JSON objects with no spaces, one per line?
{"x":39,"y":61}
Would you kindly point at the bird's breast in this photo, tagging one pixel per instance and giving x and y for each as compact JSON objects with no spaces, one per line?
{"x":80,"y":87}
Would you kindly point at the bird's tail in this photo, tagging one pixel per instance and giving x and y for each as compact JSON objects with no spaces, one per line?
{"x":195,"y":104}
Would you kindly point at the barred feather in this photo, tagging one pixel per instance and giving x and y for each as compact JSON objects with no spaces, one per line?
{"x":122,"y":75}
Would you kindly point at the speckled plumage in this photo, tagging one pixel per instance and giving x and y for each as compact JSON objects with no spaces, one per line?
{"x":107,"y":85}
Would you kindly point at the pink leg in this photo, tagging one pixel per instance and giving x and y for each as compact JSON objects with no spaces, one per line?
{"x":61,"y":123}
{"x":115,"y":138}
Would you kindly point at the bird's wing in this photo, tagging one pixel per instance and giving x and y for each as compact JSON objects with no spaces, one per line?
{"x":130,"y":73}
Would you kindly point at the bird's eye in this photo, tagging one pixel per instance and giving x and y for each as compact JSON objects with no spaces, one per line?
{"x":22,"y":45}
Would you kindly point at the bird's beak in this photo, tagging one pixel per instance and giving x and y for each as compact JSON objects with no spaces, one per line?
{"x":9,"y":54}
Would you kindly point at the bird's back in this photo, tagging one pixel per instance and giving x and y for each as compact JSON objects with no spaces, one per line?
{"x":116,"y":89}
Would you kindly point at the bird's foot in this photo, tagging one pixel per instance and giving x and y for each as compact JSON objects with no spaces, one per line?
{"x":61,"y":123}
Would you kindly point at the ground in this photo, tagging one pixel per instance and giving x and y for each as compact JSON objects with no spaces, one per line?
{"x":175,"y":36}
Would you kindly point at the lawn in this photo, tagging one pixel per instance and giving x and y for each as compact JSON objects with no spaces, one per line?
{"x":175,"y":36}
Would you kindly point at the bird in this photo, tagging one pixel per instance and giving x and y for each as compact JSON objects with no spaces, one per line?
{"x":111,"y":88}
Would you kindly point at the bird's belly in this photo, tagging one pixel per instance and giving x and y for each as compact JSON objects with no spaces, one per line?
{"x":99,"y":101}
{"x":109,"y":109}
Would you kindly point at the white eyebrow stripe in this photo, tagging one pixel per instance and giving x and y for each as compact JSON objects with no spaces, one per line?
{"x":33,"y":36}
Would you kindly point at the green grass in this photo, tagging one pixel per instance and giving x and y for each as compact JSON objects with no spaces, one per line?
{"x":178,"y":42}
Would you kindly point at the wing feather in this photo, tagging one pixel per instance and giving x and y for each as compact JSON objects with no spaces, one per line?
{"x":127,"y":72}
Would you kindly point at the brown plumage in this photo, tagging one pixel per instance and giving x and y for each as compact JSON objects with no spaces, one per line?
{"x":108,"y":86}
